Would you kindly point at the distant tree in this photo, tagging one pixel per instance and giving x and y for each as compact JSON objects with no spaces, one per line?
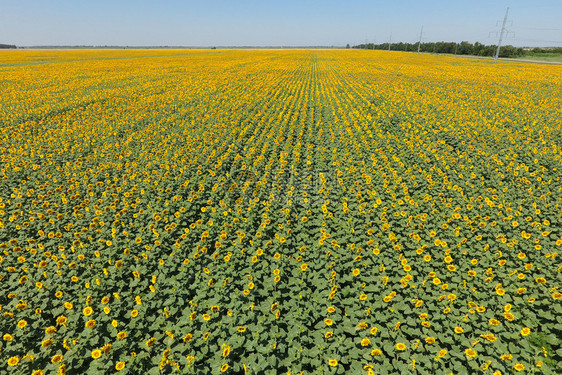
{"x":5,"y":46}
{"x":450,"y":47}
{"x":477,"y":48}
{"x":465,"y":48}
{"x":510,"y":51}
{"x":552,"y":50}
{"x":488,"y":51}
{"x":347,"y":46}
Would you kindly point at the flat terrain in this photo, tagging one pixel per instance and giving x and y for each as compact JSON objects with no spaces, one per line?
{"x":554,"y":58}
{"x":266,"y":212}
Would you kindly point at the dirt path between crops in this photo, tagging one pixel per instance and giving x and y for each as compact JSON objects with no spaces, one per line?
{"x":535,"y":61}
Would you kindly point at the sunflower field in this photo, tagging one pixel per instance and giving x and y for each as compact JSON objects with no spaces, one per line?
{"x":279,"y":212}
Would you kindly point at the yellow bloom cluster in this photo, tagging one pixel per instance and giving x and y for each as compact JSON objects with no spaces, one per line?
{"x":200,"y":211}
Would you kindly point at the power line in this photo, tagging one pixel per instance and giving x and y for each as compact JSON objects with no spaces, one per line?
{"x":537,"y":28}
{"x":539,"y":41}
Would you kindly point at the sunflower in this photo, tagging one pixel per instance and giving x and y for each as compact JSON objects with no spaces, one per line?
{"x":519,"y":367}
{"x":365,"y":342}
{"x":57,"y":358}
{"x":226,"y":351}
{"x":224,"y":367}
{"x":333,"y":362}
{"x":120,"y":366}
{"x":96,"y":354}
{"x":400,"y":346}
{"x":13,"y":361}
{"x":470,"y":353}
{"x":525,"y":331}
{"x":150,"y":342}
{"x":490,"y":337}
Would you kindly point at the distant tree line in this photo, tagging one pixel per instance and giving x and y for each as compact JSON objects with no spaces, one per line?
{"x":551,"y":50}
{"x":462,"y":48}
{"x":7,"y":46}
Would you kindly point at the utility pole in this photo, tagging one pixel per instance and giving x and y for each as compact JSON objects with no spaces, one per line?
{"x":419,"y":42}
{"x":501,"y":36}
{"x":389,"y":41}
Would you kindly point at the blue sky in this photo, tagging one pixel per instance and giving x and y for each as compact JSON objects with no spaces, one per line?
{"x":274,"y":23}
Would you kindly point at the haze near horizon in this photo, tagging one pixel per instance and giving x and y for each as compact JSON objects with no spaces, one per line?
{"x":270,"y":23}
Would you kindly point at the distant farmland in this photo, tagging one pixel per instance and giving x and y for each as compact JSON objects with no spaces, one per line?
{"x":288,"y":211}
